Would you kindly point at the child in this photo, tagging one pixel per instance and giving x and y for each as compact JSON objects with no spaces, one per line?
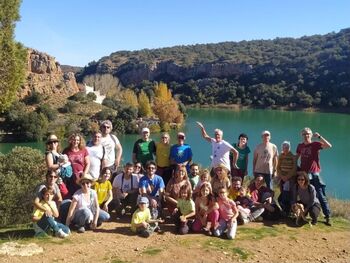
{"x":207,"y":214}
{"x":204,"y":178}
{"x":228,"y":215}
{"x":65,"y":170}
{"x":141,"y":219}
{"x":184,"y":210}
{"x":44,"y":220}
{"x":220,"y":179}
{"x":103,"y":188}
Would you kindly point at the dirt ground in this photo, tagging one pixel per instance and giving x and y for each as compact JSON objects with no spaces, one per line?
{"x":256,"y":242}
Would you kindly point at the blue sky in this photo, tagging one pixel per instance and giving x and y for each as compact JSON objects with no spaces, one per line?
{"x":77,"y":32}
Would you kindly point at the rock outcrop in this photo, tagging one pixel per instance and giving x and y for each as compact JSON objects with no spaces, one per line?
{"x":169,"y":70}
{"x":44,"y":75}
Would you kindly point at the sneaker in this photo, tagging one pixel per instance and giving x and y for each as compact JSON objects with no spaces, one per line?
{"x":328,"y":221}
{"x":314,"y":222}
{"x":81,"y":229}
{"x":61,"y":234}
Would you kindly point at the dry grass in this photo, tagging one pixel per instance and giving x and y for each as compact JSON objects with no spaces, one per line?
{"x":340,"y":208}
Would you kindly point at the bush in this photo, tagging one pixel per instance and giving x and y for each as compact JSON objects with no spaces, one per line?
{"x":91,"y":96}
{"x":33,"y":98}
{"x":48,"y":111}
{"x":80,"y":96}
{"x":70,"y":107}
{"x":21,"y":171}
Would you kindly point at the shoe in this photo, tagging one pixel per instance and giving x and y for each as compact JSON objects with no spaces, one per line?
{"x":81,"y":229}
{"x":61,"y":234}
{"x":314,"y":222}
{"x":328,"y":221}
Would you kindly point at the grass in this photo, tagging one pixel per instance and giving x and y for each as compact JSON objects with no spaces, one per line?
{"x":340,"y":208}
{"x":152,"y":251}
{"x":119,"y":261}
{"x":248,"y":233}
{"x":227,"y":247}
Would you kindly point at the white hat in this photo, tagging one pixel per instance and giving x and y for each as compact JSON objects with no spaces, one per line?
{"x":145,"y":129}
{"x":265,"y":132}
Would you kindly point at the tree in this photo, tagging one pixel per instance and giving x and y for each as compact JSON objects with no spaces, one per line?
{"x":145,"y":109}
{"x":129,"y":97}
{"x":12,"y":54}
{"x":164,"y":106}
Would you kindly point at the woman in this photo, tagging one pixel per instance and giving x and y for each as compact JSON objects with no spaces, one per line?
{"x":304,"y":193}
{"x":84,"y":210}
{"x":162,"y":157}
{"x":79,"y":158}
{"x":172,"y":191}
{"x":242,"y":161}
{"x":220,"y":179}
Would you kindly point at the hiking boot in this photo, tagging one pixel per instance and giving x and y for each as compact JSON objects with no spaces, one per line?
{"x":328,"y":221}
{"x":81,"y":229}
{"x":61,"y":234}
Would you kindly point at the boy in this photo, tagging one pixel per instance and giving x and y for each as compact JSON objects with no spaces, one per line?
{"x":141,"y":219}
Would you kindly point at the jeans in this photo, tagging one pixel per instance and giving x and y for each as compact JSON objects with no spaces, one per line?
{"x":48,"y":222}
{"x":64,"y":208}
{"x":83,"y":215}
{"x":223,"y":225}
{"x":320,"y":188}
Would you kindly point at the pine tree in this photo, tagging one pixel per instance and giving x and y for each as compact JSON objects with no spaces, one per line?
{"x":12,"y":54}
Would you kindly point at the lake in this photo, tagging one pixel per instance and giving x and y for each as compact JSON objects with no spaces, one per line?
{"x":283,"y":125}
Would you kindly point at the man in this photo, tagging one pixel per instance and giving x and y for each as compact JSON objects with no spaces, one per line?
{"x":113,"y":148}
{"x":220,"y":149}
{"x":181,"y":153}
{"x":125,"y":189}
{"x":144,"y":148}
{"x":309,"y":154}
{"x":63,"y":206}
{"x":97,"y":155}
{"x":152,"y":186}
{"x":265,"y":159}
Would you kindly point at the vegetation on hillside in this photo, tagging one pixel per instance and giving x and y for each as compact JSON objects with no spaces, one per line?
{"x":311,"y":71}
{"x":12,"y":54}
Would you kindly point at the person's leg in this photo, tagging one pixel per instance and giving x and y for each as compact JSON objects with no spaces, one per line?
{"x":231,"y":231}
{"x":256,"y":212}
{"x":268,"y":180}
{"x":63,"y":211}
{"x":221,"y":228}
{"x":47,"y":222}
{"x":213,"y":217}
{"x":320,"y":188}
{"x":314,"y":212}
{"x":102,"y":217}
{"x":82,"y":217}
{"x":64,"y":228}
{"x":197,"y":225}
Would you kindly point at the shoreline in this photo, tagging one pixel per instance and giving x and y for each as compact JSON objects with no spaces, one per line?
{"x":238,"y":107}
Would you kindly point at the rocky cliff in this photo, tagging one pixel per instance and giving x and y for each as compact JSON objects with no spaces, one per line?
{"x":168,"y":70}
{"x":44,"y":75}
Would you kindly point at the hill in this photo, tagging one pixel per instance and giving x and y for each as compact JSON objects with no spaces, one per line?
{"x":311,"y":71}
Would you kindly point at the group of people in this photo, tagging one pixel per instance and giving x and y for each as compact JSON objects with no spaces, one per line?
{"x":84,"y":184}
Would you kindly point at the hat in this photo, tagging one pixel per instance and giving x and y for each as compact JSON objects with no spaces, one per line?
{"x":143,"y":200}
{"x":265,"y":132}
{"x":145,"y":130}
{"x":181,"y":134}
{"x":222,"y":166}
{"x":286,"y":144}
{"x":52,"y":138}
{"x":86,"y":177}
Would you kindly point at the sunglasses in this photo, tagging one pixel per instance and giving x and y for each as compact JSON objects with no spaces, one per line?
{"x":181,"y":137}
{"x":301,"y":179}
{"x":151,"y":168}
{"x":52,"y":142}
{"x":137,"y":166}
{"x":106,"y":127}
{"x":86,"y":182}
{"x":53,"y":176}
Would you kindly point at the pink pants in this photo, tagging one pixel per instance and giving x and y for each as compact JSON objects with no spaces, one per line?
{"x":213,"y":217}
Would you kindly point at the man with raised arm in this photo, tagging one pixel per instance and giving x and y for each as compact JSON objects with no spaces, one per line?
{"x":220,"y":149}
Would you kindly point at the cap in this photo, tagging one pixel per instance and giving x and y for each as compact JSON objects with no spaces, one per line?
{"x":143,"y":200}
{"x":145,"y":130}
{"x":265,"y":132}
{"x":181,"y":134}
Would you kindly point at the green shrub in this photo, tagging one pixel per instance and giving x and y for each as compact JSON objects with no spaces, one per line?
{"x":70,"y":107}
{"x":91,"y":96}
{"x":21,"y":171}
{"x":48,"y":111}
{"x":33,"y":98}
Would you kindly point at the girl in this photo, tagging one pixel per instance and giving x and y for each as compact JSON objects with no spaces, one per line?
{"x":45,"y":219}
{"x":103,"y":188}
{"x":184,"y":210}
{"x":138,"y":170}
{"x":207,"y":214}
{"x":305,"y":194}
{"x":204,"y":177}
{"x":220,"y":179}
{"x":228,"y":214}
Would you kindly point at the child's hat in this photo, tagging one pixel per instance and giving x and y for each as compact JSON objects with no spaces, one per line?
{"x":143,"y":200}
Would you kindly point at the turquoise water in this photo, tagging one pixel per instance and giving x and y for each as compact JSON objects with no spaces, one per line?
{"x":335,"y":162}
